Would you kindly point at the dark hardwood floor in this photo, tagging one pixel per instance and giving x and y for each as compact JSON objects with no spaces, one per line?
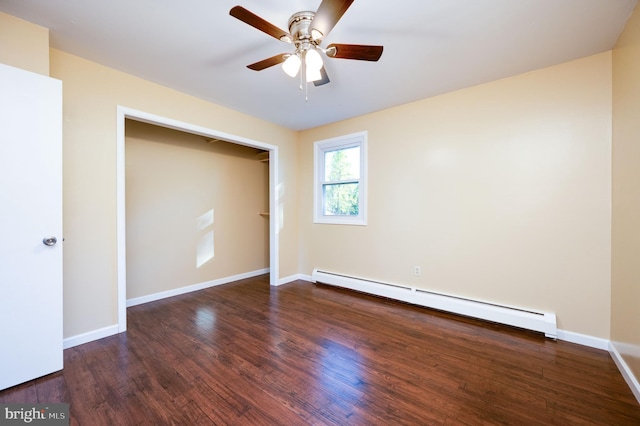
{"x":249,"y":354}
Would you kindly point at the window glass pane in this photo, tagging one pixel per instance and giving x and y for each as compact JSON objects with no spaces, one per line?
{"x":342,"y":164}
{"x":341,"y":199}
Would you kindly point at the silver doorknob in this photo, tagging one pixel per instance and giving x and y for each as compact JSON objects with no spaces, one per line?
{"x":49,"y":241}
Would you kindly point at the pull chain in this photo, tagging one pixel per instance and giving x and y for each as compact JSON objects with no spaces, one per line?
{"x":300,"y":87}
{"x":306,"y":84}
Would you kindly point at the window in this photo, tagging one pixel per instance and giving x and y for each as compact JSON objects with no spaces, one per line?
{"x":340,"y":173}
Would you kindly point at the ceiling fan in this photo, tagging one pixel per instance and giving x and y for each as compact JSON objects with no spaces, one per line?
{"x":307,"y":31}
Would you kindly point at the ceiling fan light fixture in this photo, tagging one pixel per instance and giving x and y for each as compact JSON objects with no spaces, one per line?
{"x":291,"y":65}
{"x":313,"y":60}
{"x":313,"y":75}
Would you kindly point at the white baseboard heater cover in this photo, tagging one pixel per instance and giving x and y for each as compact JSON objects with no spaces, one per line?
{"x":543,"y":322}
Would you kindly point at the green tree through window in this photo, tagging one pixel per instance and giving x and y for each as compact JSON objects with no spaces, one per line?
{"x":341,"y":196}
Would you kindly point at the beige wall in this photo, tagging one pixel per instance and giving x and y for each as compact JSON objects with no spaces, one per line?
{"x":91,"y":94}
{"x":24,"y":45}
{"x":500,"y":192}
{"x":625,"y":320}
{"x":192,"y":209}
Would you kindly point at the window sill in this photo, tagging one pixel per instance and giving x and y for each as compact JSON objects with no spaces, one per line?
{"x":340,"y":221}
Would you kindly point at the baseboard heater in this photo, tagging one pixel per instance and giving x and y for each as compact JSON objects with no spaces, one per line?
{"x":543,"y":322}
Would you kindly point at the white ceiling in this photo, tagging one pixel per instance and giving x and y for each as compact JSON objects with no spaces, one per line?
{"x":430,"y":47}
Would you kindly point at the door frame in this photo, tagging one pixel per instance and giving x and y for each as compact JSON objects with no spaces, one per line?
{"x":124,"y":113}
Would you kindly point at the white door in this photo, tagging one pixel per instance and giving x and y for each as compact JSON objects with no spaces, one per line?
{"x":31,"y":226}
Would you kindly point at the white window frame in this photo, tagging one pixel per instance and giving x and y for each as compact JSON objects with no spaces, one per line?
{"x":319,"y":149}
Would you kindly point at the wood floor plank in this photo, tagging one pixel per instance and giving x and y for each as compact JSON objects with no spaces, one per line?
{"x":247,"y":353}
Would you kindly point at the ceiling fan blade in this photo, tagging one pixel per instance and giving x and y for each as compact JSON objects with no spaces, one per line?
{"x":324,"y":80}
{"x":258,"y":23}
{"x":359,"y":52}
{"x":269,"y":62}
{"x":328,"y":15}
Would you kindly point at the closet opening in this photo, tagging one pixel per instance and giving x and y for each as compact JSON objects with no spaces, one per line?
{"x":196,"y":208}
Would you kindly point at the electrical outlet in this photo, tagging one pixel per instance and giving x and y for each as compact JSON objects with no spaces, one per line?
{"x":417,"y":271}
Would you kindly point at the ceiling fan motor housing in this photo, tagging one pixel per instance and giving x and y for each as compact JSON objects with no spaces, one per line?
{"x":299,"y":25}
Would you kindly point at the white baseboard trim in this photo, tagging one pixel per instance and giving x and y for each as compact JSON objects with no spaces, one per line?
{"x":307,"y":278}
{"x":90,"y":336}
{"x":195,"y":287}
{"x":292,"y":278}
{"x":626,"y":372}
{"x":583,"y":339}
